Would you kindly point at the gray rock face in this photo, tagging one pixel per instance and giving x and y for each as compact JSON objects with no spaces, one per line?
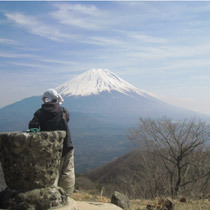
{"x":30,"y":163}
{"x":120,"y":200}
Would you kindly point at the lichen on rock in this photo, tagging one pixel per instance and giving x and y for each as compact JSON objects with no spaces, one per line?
{"x":30,"y":163}
{"x":39,"y":199}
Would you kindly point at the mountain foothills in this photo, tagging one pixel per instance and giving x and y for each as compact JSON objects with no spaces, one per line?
{"x":102,"y":107}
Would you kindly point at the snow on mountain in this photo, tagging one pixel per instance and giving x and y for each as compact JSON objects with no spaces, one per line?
{"x":96,"y":81}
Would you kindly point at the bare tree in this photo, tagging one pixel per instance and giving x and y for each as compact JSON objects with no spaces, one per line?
{"x":175,"y":153}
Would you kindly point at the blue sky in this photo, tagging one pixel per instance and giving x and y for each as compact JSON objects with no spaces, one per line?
{"x":160,"y":47}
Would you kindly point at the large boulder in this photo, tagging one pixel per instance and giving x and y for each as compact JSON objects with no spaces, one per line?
{"x":120,"y":200}
{"x":30,"y":163}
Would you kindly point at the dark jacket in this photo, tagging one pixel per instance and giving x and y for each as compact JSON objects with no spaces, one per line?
{"x":50,"y":118}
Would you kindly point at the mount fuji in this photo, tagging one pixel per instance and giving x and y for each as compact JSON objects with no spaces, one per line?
{"x":96,"y":81}
{"x":101,"y":92}
{"x":102,"y":107}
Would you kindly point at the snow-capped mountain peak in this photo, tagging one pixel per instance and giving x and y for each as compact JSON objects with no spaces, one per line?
{"x":96,"y":81}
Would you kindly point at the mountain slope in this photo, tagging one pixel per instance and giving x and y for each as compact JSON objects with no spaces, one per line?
{"x":102,"y":108}
{"x":124,"y":174}
{"x":96,"y":81}
{"x":102,"y":92}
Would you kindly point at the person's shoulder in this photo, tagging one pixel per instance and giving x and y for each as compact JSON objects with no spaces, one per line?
{"x":38,"y":111}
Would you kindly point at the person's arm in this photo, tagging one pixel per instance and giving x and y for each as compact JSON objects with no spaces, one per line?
{"x":67,"y":115}
{"x":34,"y":123}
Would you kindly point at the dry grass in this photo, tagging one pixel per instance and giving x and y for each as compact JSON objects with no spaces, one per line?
{"x":193,"y":205}
{"x":190,"y":205}
{"x":88,"y":196}
{"x":141,"y":204}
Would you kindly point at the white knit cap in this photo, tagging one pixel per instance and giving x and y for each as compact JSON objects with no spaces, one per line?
{"x":52,"y":94}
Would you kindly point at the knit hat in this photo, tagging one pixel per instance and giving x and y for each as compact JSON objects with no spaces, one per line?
{"x":51,"y":95}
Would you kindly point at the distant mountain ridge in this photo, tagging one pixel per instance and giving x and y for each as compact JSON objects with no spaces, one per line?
{"x":100,"y":92}
{"x":102,"y":108}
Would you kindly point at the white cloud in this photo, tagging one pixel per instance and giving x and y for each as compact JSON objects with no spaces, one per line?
{"x":170,"y":51}
{"x":103,"y":41}
{"x":34,"y":26}
{"x":149,"y":39}
{"x":38,"y":58}
{"x":8,"y":41}
{"x":82,"y":16}
{"x":16,"y":55}
{"x":140,"y":37}
{"x":90,"y":10}
{"x":32,"y":65}
{"x":58,"y":61}
{"x":187,"y":65}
